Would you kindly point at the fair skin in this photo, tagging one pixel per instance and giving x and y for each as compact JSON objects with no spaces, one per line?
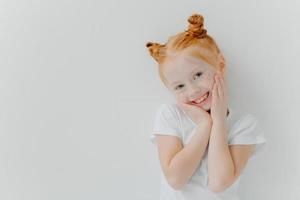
{"x":189,"y":78}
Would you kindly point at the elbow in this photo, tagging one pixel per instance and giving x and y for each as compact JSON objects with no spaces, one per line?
{"x":218,"y":187}
{"x":176,"y":183}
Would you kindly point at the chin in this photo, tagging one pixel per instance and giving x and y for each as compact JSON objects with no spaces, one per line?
{"x":207,"y":104}
{"x":205,"y":107}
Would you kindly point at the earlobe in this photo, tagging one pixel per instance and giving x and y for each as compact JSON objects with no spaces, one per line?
{"x":221,"y":61}
{"x":222,"y":57}
{"x":222,"y":65}
{"x":222,"y":68}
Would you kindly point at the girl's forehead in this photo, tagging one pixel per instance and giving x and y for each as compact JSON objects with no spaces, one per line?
{"x":184,"y":63}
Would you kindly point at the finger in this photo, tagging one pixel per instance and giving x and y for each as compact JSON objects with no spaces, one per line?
{"x":215,"y":90}
{"x":224,"y":90}
{"x":222,"y":80}
{"x":221,"y":86}
{"x":224,"y":86}
{"x":220,"y":93}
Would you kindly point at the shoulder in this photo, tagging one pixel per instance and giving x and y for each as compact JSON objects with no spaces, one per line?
{"x":245,"y":124}
{"x":247,"y":130}
{"x":239,"y":118}
{"x":246,"y":120}
{"x":167,"y":106}
{"x":169,"y":110}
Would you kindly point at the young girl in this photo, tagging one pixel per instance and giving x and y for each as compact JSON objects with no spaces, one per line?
{"x":203,"y":144}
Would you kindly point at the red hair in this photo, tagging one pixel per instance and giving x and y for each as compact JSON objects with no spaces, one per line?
{"x":195,"y":36}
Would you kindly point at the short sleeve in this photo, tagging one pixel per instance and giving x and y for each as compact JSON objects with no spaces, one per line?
{"x":165,"y":123}
{"x":248,"y":131}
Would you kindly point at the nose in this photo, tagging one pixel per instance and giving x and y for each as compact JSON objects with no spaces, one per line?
{"x":194,"y":92}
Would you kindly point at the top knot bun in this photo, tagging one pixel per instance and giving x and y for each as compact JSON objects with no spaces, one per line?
{"x":156,"y":50}
{"x":196,"y":26}
{"x":194,"y":35}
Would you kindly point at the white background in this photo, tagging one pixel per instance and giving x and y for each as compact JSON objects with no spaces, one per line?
{"x":78,"y":93}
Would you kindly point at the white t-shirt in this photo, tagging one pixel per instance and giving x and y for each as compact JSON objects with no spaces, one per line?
{"x":170,"y":119}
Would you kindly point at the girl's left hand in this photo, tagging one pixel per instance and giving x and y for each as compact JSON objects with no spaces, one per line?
{"x":219,"y":103}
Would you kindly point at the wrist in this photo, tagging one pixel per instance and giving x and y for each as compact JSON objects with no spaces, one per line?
{"x":218,"y":121}
{"x":206,"y":122}
{"x":205,"y":126}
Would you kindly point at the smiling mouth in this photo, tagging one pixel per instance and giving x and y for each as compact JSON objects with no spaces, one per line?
{"x":202,"y":99}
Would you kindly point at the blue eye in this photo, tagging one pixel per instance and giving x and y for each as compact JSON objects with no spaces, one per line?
{"x":178,"y":87}
{"x":199,"y":74}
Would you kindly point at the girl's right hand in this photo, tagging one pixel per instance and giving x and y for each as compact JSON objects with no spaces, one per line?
{"x":197,"y":114}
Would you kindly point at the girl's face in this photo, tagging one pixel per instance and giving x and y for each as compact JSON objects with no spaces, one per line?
{"x":191,"y":79}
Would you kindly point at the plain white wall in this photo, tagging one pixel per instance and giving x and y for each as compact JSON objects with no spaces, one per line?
{"x":78,"y":93}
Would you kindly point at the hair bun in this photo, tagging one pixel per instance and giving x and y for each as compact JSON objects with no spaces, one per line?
{"x":196,"y":26}
{"x":149,"y":44}
{"x":156,"y":50}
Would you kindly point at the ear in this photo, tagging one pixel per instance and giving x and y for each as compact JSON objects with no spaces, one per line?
{"x":221,"y":62}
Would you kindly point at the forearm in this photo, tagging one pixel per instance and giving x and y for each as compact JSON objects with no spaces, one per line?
{"x":185,"y":162}
{"x":220,"y":163}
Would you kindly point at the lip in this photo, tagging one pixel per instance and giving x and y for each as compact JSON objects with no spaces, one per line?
{"x":201,"y":97}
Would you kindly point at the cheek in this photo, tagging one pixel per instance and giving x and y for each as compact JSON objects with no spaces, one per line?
{"x":207,"y":82}
{"x":180,"y":97}
{"x":210,"y":82}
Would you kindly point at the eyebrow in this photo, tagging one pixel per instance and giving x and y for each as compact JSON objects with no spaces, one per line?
{"x":176,"y":82}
